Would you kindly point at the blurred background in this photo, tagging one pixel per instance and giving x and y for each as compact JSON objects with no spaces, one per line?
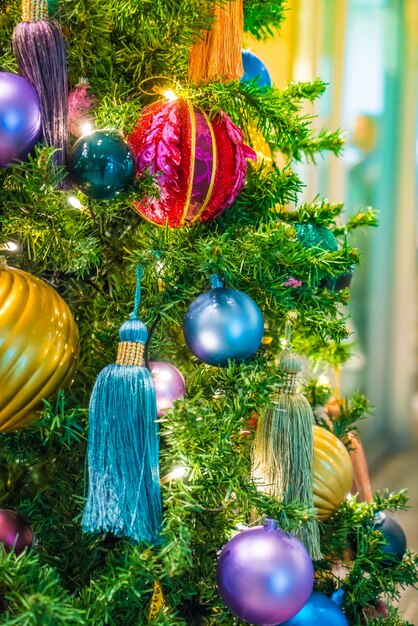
{"x":367,"y":50}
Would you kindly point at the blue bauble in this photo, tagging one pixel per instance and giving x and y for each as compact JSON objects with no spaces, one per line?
{"x":101,"y":164}
{"x":254,"y":68}
{"x":223,"y":324}
{"x":394,"y":535}
{"x":318,"y":611}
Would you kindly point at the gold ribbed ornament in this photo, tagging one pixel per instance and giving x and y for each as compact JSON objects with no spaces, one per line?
{"x":38,"y":345}
{"x":332,"y":472}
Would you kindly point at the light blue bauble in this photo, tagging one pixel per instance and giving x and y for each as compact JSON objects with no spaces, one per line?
{"x":223,"y":324}
{"x":318,"y":611}
{"x":254,"y":68}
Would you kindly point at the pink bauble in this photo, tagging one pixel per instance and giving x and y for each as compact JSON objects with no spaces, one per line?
{"x":15,"y":532}
{"x":169,"y":385}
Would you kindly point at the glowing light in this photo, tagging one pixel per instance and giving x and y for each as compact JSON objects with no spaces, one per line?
{"x":323,"y":379}
{"x":170,"y":95}
{"x":178,"y":472}
{"x":86,"y":128}
{"x":75,"y":202}
{"x":10,"y":246}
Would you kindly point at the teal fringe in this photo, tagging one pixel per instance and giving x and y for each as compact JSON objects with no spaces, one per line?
{"x":123,"y":450}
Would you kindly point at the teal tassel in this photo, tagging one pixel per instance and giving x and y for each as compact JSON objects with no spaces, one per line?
{"x":124,"y":489}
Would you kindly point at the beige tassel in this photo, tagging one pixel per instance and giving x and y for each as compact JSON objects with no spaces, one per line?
{"x":217,"y":56}
{"x":283,"y":447}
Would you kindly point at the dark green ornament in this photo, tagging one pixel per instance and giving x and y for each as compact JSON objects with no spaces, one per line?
{"x":101,"y":164}
{"x":313,"y":235}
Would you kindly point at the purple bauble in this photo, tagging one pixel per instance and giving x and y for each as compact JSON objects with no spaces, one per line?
{"x":265,"y":575}
{"x":15,"y":532}
{"x":169,"y":385}
{"x":20,"y":118}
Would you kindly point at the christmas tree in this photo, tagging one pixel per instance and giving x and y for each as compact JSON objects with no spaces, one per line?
{"x":218,"y":272}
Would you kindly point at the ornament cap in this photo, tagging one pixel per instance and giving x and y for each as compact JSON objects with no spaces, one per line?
{"x":270,"y":524}
{"x":379,"y":518}
{"x":215,"y":281}
{"x":338,"y":597}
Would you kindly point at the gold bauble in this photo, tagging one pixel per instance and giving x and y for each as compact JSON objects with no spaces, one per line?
{"x":38,"y":345}
{"x":260,"y":146}
{"x":332,"y":472}
{"x":157,"y":601}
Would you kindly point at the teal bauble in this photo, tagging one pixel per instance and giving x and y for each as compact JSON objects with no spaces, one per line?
{"x":101,"y":164}
{"x":312,"y":235}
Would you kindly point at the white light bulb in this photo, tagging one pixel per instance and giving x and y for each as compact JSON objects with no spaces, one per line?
{"x":177,"y":472}
{"x":11,"y":246}
{"x":86,"y":128}
{"x":323,"y":379}
{"x":169,"y":94}
{"x":75,"y":202}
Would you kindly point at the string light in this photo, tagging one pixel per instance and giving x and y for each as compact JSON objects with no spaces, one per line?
{"x":75,"y":202}
{"x":170,"y":95}
{"x":10,"y":246}
{"x":323,"y":380}
{"x":86,"y":128}
{"x":177,"y":473}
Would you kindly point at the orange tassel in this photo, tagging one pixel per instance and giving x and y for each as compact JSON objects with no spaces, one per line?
{"x":217,"y":56}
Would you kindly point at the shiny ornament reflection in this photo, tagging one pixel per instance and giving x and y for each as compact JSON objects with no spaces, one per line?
{"x":101,"y":164}
{"x":169,"y":385}
{"x":20,"y":118}
{"x":264,"y":575}
{"x":15,"y":532}
{"x":38,"y":345}
{"x":223,"y":324}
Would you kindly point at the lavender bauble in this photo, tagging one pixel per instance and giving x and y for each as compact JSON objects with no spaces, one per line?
{"x":20,"y":118}
{"x":15,"y":532}
{"x":264,"y":575}
{"x":169,"y":385}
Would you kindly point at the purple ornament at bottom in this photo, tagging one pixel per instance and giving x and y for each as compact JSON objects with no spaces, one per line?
{"x":169,"y":385}
{"x":264,"y":575}
{"x":15,"y":532}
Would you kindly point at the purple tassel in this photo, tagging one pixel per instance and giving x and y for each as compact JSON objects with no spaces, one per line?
{"x":40,"y":52}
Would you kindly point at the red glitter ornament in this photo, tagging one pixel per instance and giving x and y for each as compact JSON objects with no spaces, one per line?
{"x":200,"y":163}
